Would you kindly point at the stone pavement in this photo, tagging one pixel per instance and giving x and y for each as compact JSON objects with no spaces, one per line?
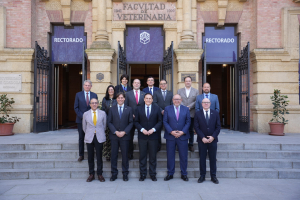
{"x":73,"y":189}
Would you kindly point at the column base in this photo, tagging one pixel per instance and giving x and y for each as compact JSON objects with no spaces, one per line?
{"x":101,"y":45}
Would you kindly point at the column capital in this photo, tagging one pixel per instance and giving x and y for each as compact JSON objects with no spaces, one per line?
{"x":120,"y":26}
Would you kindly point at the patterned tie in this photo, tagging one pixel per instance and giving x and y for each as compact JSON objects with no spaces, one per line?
{"x":95,"y":118}
{"x":87,"y":99}
{"x":124,"y":88}
{"x":206,"y":117}
{"x":164,"y":95}
{"x":148,"y":114}
{"x":136,"y":97}
{"x":206,"y":96}
{"x":120,"y":112}
{"x":177,"y":113}
{"x":151,"y":91}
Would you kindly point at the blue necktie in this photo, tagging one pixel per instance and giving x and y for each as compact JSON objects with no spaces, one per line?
{"x":148,"y":114}
{"x":206,"y":96}
{"x":120,"y":112}
{"x":151,"y":91}
{"x":124,"y":88}
{"x":206,"y":116}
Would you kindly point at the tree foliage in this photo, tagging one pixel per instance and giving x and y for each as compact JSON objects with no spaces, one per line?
{"x":280,"y":103}
{"x":5,"y":108}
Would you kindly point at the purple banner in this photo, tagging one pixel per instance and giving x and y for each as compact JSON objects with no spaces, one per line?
{"x":221,"y":44}
{"x":144,"y":45}
{"x":67,"y":44}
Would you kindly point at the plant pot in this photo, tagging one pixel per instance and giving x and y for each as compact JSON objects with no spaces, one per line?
{"x":276,"y":128}
{"x":6,"y":129}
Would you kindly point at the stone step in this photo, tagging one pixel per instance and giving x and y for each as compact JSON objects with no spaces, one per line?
{"x":82,"y":173}
{"x":221,"y":146}
{"x":73,"y":154}
{"x":161,"y":163}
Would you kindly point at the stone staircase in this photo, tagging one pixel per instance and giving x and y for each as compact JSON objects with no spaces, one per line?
{"x":234,"y":160}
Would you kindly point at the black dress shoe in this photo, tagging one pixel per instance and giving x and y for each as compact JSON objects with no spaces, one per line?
{"x":201,"y":179}
{"x":191,"y":148}
{"x":130,"y":157}
{"x":113,"y":178}
{"x":168,"y":177}
{"x":153,"y":178}
{"x":214,"y":180}
{"x":184,"y":177}
{"x":142,"y":178}
{"x":81,"y":158}
{"x":125,"y":177}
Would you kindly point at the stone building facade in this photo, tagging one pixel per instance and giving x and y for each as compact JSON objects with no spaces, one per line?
{"x":271,"y":27}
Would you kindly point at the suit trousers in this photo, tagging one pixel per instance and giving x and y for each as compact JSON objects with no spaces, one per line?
{"x":90,"y":148}
{"x":146,"y":146}
{"x":124,"y":146}
{"x":191,"y":131}
{"x":183,"y":155}
{"x":81,"y":139}
{"x":211,"y":148}
{"x":131,"y":146}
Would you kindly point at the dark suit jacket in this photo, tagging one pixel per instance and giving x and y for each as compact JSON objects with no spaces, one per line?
{"x":202,"y":129}
{"x":119,"y":88}
{"x":158,"y":99}
{"x":106,"y":104}
{"x":214,"y":102}
{"x":80,"y":104}
{"x":117,"y":124}
{"x":131,"y":102}
{"x":171,"y":123}
{"x":146,"y":90}
{"x":154,"y":121}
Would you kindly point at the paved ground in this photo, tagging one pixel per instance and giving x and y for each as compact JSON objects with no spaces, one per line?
{"x":228,"y":189}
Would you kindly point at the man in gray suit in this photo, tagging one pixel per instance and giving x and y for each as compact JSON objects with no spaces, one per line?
{"x":214,"y":100}
{"x":162,"y":98}
{"x":188,"y":95}
{"x":94,"y":125}
{"x":134,"y":98}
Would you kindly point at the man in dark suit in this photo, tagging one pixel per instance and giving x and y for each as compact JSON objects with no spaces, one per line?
{"x":162,"y":98}
{"x":148,"y":120}
{"x":134,"y":98}
{"x":123,"y":87}
{"x":120,"y":122}
{"x":81,"y":105}
{"x":207,"y":126}
{"x":177,"y":121}
{"x":150,"y":89}
{"x":212,"y":97}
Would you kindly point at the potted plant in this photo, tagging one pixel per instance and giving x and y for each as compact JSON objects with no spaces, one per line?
{"x":6,"y":122}
{"x":278,"y":121}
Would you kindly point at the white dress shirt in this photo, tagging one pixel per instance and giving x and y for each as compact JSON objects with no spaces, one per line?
{"x":149,"y":115}
{"x":187,"y":91}
{"x":204,"y":111}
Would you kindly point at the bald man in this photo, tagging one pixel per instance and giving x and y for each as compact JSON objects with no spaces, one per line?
{"x":177,"y":121}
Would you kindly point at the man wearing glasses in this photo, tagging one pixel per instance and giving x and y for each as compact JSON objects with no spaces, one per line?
{"x":177,"y":121}
{"x":207,"y":126}
{"x":162,"y":98}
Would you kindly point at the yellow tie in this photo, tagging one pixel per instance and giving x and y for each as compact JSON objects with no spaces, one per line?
{"x":95,"y":118}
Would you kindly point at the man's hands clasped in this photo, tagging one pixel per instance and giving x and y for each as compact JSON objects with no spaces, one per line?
{"x":209,"y":140}
{"x":177,"y":134}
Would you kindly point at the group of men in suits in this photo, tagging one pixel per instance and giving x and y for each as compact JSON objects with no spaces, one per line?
{"x":149,"y":111}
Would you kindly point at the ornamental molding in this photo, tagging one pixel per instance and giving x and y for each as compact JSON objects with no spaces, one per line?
{"x":296,"y":1}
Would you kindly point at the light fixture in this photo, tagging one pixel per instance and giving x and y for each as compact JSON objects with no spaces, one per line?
{"x":80,"y":73}
{"x":224,"y":65}
{"x":208,"y":72}
{"x":65,"y":65}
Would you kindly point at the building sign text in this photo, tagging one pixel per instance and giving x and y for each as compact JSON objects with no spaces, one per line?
{"x":10,"y":82}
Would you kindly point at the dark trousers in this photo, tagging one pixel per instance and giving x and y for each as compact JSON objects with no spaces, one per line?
{"x":90,"y":148}
{"x":183,"y":155}
{"x":81,"y":139}
{"x":159,"y":136}
{"x":123,"y":145}
{"x":146,"y":146}
{"x":131,"y":147}
{"x":211,"y":148}
{"x":191,"y":130}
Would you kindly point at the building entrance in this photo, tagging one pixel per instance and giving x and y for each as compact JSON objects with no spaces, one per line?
{"x":68,"y":81}
{"x":221,"y":79}
{"x":143,"y":71}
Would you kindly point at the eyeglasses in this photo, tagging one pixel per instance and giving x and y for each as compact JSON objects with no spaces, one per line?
{"x":206,"y":102}
{"x":177,"y":99}
{"x":94,"y":103}
{"x":162,"y":84}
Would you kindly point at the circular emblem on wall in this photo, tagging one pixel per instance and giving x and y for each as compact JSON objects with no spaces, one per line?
{"x":100,"y":77}
{"x":144,"y":37}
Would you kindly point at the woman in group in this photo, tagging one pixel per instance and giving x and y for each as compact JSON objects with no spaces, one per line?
{"x":123,"y":87}
{"x":108,"y":101}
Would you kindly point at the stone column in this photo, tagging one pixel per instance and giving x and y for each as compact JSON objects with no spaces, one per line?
{"x":100,"y":54}
{"x":188,"y":53}
{"x":2,"y":27}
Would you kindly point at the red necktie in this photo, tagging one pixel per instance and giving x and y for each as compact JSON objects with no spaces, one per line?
{"x":87,"y":99}
{"x":136,"y":97}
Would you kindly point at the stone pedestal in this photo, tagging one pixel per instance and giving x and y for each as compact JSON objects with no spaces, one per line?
{"x":100,"y":62}
{"x":187,"y":60}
